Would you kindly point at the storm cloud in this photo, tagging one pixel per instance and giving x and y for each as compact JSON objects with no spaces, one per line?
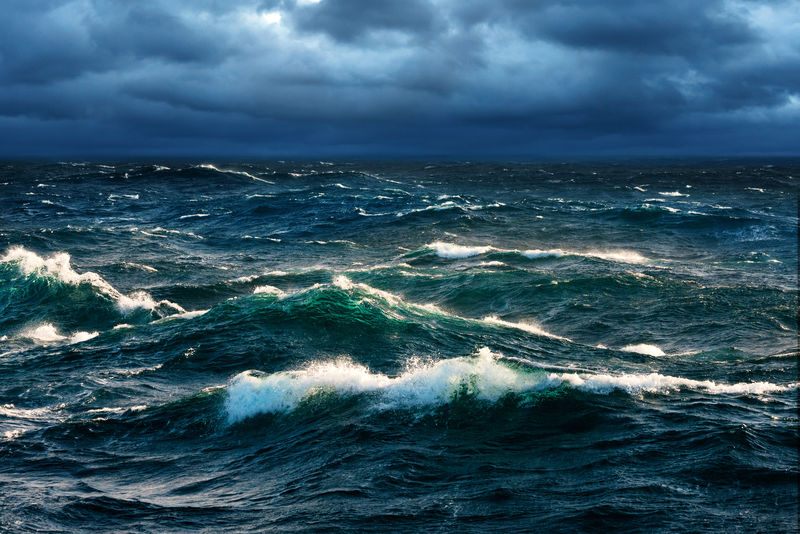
{"x":450,"y":78}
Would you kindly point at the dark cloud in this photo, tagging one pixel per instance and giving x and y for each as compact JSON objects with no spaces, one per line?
{"x":348,"y":20}
{"x":464,"y":78}
{"x":677,"y":27}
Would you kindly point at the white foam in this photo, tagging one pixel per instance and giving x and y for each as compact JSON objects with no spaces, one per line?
{"x":269,"y":290}
{"x":58,"y":267}
{"x":621,"y":256}
{"x":155,"y":232}
{"x":35,"y":414}
{"x":484,"y":206}
{"x":188,"y":315}
{"x":658,"y":383}
{"x":536,"y":253}
{"x":142,"y":300}
{"x":140,"y":266}
{"x":194,"y":216}
{"x":434,"y":207}
{"x":526,"y":326}
{"x":451,"y":250}
{"x":119,"y":409}
{"x":483,"y":376}
{"x":47,"y":333}
{"x":673,"y":194}
{"x":229,"y":171}
{"x":80,"y":337}
{"x":342,"y":282}
{"x":644,"y":348}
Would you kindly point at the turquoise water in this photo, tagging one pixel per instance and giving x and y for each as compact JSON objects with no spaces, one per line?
{"x":368,"y":346}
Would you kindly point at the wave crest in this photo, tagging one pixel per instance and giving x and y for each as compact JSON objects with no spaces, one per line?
{"x":455,"y":251}
{"x":58,"y":268}
{"x":484,"y":376}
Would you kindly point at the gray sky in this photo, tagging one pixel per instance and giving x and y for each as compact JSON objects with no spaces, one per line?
{"x":412,"y":78}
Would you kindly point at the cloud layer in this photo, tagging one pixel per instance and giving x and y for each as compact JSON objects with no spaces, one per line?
{"x":461,"y":78}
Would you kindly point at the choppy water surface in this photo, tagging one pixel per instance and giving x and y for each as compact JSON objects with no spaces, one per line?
{"x":318,"y":346}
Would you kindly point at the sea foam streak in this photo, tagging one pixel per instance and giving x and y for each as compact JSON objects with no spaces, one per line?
{"x":229,"y":171}
{"x":58,"y":267}
{"x":453,"y":251}
{"x":483,"y":376}
{"x":525,"y":326}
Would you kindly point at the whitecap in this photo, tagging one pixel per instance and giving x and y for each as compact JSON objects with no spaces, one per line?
{"x":58,"y":267}
{"x":621,"y":256}
{"x":269,"y":290}
{"x":187,"y":315}
{"x":451,"y":250}
{"x":644,"y":348}
{"x":536,"y":253}
{"x":483,"y":376}
{"x":47,"y":333}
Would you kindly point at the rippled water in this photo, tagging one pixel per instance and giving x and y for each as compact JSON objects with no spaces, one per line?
{"x":469,"y":347}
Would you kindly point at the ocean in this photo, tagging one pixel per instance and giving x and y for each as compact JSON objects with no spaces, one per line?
{"x":372,"y":347}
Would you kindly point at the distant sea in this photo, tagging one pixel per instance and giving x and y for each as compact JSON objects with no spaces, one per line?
{"x":346,"y":347}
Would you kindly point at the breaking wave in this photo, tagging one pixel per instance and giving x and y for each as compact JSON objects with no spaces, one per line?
{"x":484,"y":376}
{"x":47,"y":290}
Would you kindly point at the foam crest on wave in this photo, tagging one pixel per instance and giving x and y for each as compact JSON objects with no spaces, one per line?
{"x":269,"y":290}
{"x":47,"y":333}
{"x":451,"y":250}
{"x":394,"y":306}
{"x":484,"y":376}
{"x":644,"y":348}
{"x":525,"y":326}
{"x":58,"y":267}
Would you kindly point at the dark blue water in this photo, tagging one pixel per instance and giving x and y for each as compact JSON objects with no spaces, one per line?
{"x":373,"y":347}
